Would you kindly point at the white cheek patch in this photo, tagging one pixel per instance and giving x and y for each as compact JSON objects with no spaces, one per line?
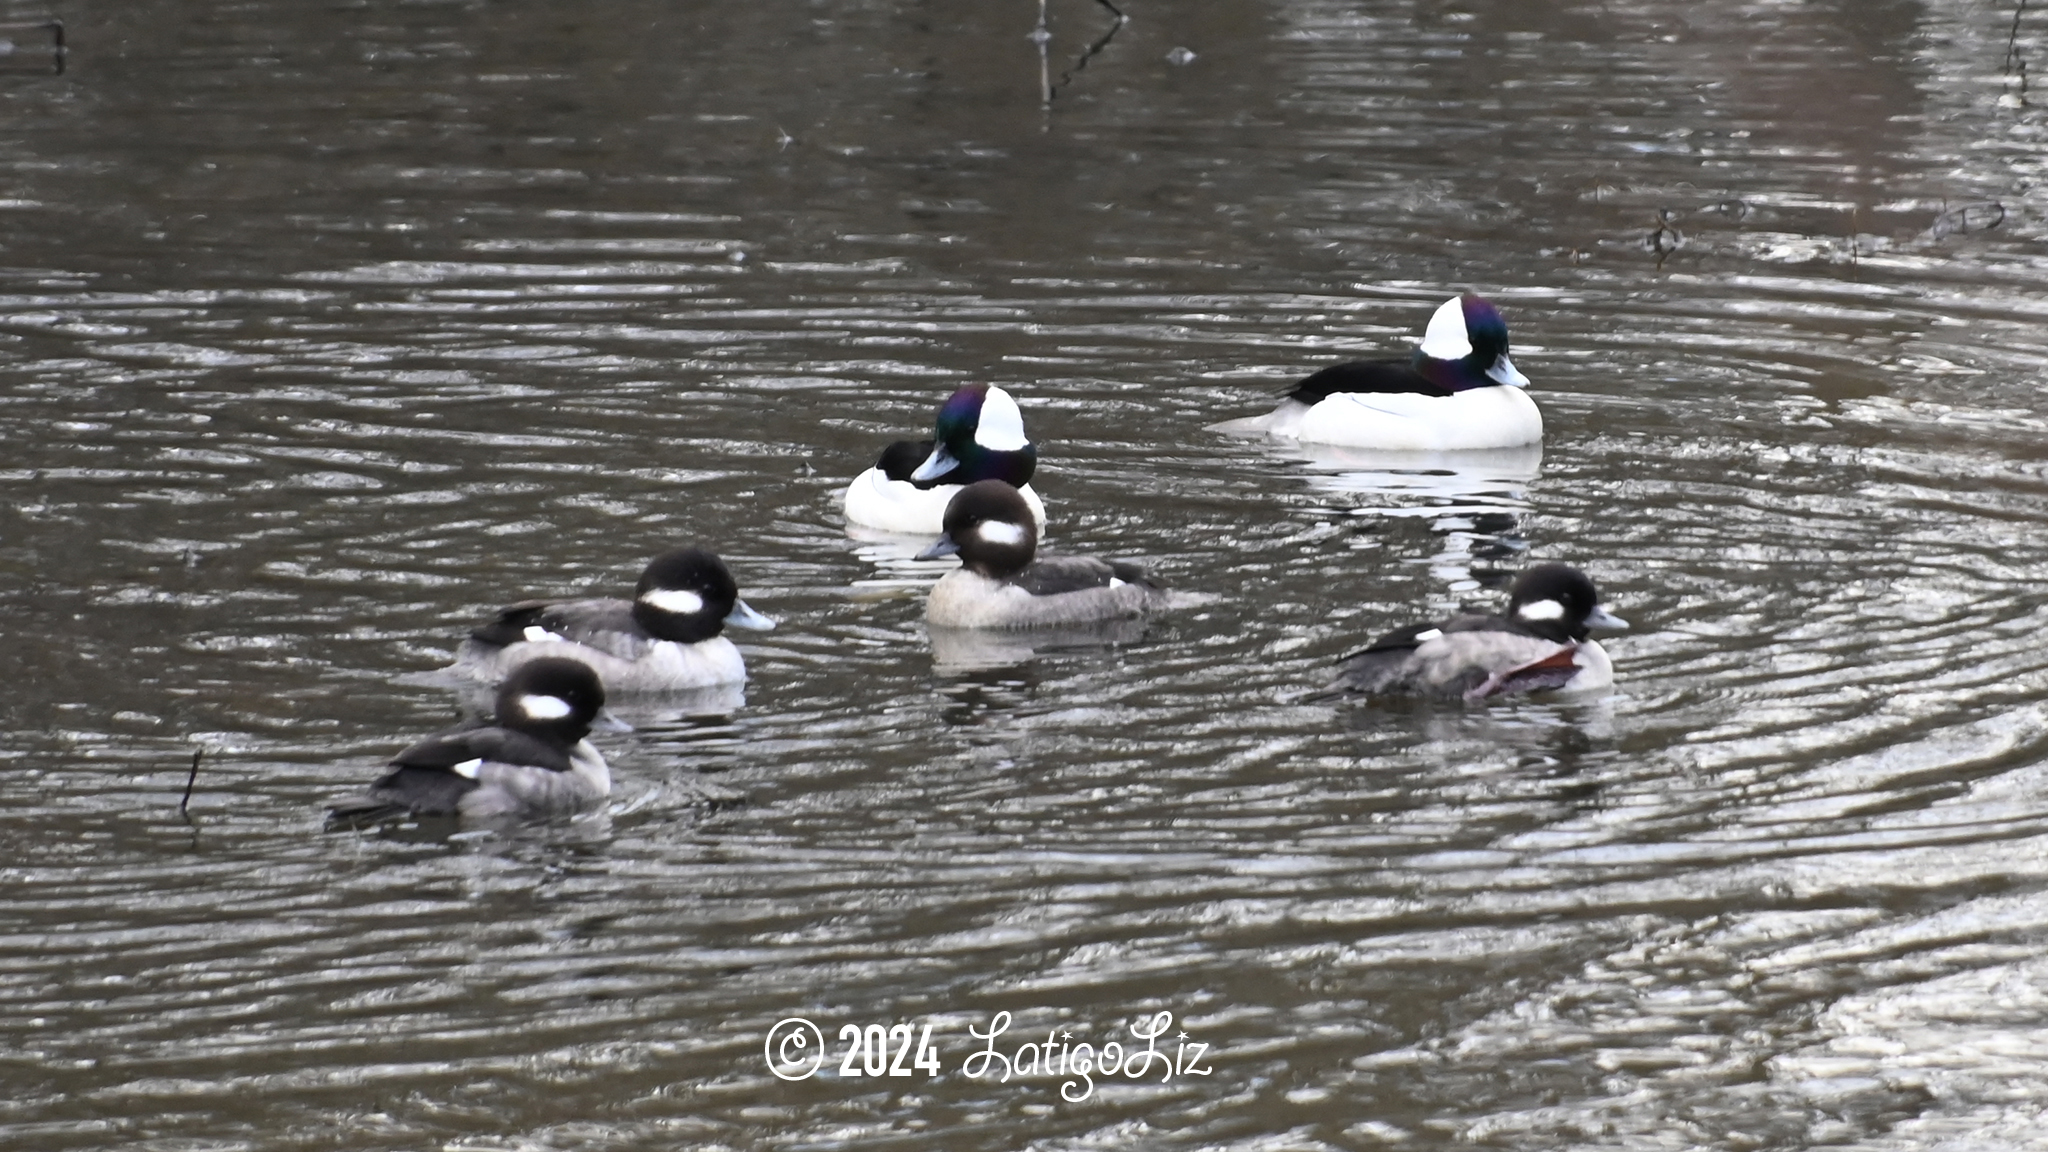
{"x":1541,"y":610}
{"x":1001,"y":427}
{"x":1445,"y":337}
{"x":1431,"y":634}
{"x":1116,"y":582}
{"x":467,"y":769}
{"x":674,"y":600}
{"x":1000,"y":532}
{"x":544,"y":707}
{"x":535,"y":634}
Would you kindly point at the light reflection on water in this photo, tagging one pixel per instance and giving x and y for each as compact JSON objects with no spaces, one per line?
{"x":323,"y":333}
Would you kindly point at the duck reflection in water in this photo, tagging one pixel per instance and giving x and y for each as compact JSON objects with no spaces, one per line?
{"x":992,"y":678}
{"x":1474,"y":500}
{"x":1556,"y":756}
{"x":959,"y":651}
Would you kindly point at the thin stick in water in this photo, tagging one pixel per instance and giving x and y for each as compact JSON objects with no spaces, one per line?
{"x":1042,"y":36}
{"x":189,"y":782}
{"x":2013,"y":39}
{"x":1052,"y":90}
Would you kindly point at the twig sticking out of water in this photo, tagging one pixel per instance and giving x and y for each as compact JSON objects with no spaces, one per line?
{"x":190,"y":780}
{"x":1067,"y":76}
{"x":1047,"y":88}
{"x":1664,"y":239}
{"x":1042,"y":36}
{"x":1975,"y":216}
{"x":2012,"y":39}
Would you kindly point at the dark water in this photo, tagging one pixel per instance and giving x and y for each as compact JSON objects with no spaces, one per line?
{"x":324,"y":328}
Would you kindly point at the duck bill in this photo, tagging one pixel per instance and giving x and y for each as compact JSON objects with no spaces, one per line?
{"x":937,"y":464}
{"x":743,"y":616}
{"x":943,"y":547}
{"x":1503,"y":372}
{"x":1600,"y":617}
{"x":604,"y":721}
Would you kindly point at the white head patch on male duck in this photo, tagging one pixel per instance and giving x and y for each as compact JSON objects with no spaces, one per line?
{"x":1469,"y":325}
{"x":1001,"y":428}
{"x":1445,"y":338}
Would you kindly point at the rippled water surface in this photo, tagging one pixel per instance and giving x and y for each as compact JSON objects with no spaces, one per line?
{"x":326,"y":328}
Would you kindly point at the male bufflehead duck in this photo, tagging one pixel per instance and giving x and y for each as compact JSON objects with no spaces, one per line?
{"x":1539,"y":644}
{"x":1000,"y":585}
{"x":664,"y":639}
{"x":533,"y":762}
{"x":1459,"y":392}
{"x":979,"y":435}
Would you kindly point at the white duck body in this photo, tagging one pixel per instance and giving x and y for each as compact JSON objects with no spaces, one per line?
{"x":1496,"y":416}
{"x":875,"y":501}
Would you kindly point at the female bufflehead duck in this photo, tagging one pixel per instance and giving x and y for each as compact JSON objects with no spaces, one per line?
{"x":1459,"y":392}
{"x":664,"y":639}
{"x":533,"y":762}
{"x":1539,"y":644}
{"x":1000,"y":585}
{"x":979,"y":436}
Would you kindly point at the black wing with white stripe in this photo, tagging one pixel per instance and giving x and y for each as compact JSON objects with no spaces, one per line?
{"x":1056,"y":574}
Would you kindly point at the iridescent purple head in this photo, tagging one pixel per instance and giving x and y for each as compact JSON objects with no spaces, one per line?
{"x":960,"y":415}
{"x":1466,"y":346}
{"x":979,"y":435}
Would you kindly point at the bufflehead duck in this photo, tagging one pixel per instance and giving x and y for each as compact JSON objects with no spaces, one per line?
{"x":664,"y":639}
{"x":1459,"y":392}
{"x":533,"y":762}
{"x":1000,"y":585}
{"x":1538,"y":644}
{"x":979,"y":435}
